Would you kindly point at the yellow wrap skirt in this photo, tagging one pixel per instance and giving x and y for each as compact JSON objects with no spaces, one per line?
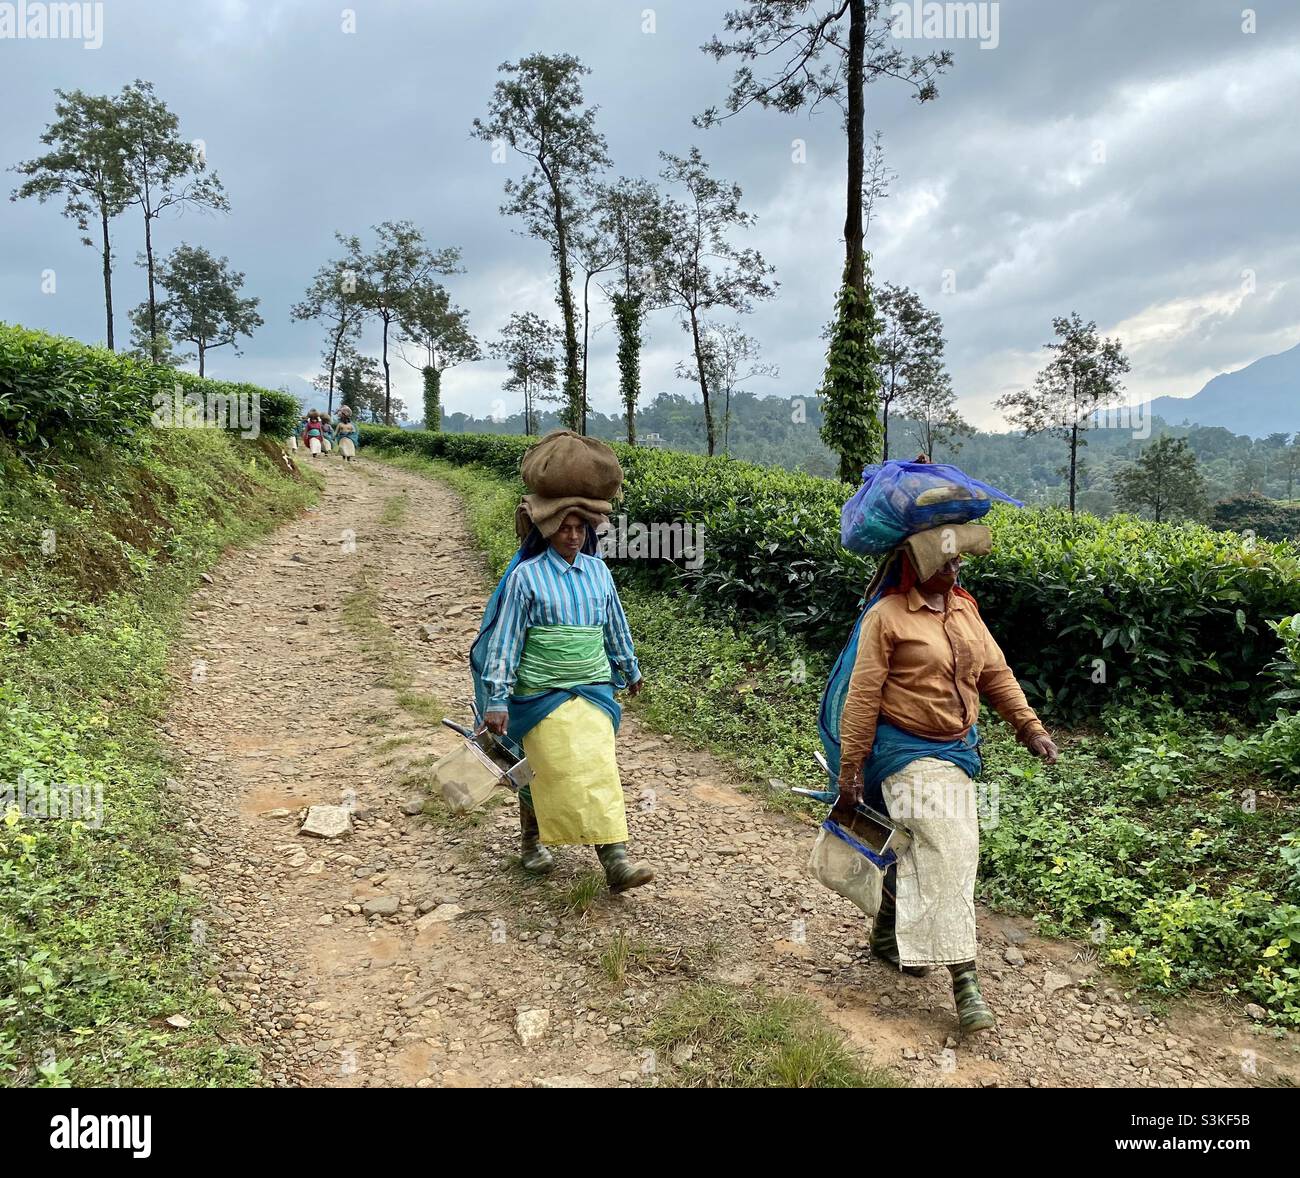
{"x":576,"y":791}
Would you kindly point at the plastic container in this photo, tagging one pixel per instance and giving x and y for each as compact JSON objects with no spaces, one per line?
{"x":466,"y":777}
{"x":836,"y":864}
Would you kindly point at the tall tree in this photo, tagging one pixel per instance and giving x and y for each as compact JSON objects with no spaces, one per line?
{"x":930,"y":405}
{"x":434,"y":324}
{"x":203,"y":304}
{"x":818,"y":51}
{"x":630,"y":214}
{"x":700,"y":269}
{"x":163,"y":172}
{"x":732,"y":361}
{"x":391,"y":276}
{"x":850,"y":390}
{"x":909,"y":345}
{"x":84,"y":166}
{"x":362,"y":391}
{"x":1165,"y":481}
{"x":1081,"y":379}
{"x":528,"y":344}
{"x":538,"y":110}
{"x":332,"y":299}
{"x":150,"y":343}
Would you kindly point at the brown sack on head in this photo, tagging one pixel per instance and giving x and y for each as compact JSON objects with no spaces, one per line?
{"x":548,"y":514}
{"x":564,"y":463}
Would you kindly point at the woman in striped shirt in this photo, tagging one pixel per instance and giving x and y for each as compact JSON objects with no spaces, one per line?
{"x":559,"y":640}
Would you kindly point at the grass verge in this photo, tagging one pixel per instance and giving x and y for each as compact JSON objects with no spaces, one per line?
{"x":99,"y":946}
{"x":714,"y":1036}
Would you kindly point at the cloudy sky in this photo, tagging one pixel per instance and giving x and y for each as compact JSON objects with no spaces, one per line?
{"x":1133,"y":160}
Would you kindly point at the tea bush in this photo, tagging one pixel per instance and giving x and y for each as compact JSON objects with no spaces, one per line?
{"x":55,"y":390}
{"x":1088,"y":611}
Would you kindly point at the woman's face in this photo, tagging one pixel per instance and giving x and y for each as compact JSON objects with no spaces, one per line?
{"x":568,"y":539}
{"x":945,"y":578}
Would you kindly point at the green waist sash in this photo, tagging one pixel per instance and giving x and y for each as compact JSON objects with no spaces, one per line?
{"x":561,"y":656}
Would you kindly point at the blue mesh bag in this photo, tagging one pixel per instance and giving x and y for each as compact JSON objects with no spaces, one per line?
{"x":899,"y":498}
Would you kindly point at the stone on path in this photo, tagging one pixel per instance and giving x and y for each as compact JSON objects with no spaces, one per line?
{"x":1012,"y":956}
{"x":441,"y":914}
{"x":531,"y":1026}
{"x":381,"y":906}
{"x":328,"y":822}
{"x":1053,"y":981}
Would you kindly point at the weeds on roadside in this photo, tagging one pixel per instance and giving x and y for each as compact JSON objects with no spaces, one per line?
{"x":714,"y":1036}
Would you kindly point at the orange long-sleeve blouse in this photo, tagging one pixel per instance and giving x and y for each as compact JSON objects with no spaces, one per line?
{"x":924,"y":670}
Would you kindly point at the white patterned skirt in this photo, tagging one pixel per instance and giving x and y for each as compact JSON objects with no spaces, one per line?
{"x":936,"y":801}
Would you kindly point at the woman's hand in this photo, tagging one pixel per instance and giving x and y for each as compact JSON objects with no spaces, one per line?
{"x":496,"y":722}
{"x":1043,"y":746}
{"x":634,"y":689}
{"x":850,"y":790}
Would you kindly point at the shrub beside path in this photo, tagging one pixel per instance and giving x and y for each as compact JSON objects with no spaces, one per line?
{"x":413,"y":951}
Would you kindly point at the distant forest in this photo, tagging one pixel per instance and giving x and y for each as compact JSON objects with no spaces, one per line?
{"x":783,"y":431}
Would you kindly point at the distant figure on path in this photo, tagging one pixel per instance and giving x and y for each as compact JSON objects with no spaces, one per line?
{"x":346,"y":436}
{"x":313,"y":434}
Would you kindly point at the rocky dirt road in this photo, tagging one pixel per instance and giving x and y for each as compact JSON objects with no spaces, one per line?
{"x":412,"y":951}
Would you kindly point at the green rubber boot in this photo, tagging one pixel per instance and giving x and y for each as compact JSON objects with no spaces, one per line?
{"x":972,"y":1011}
{"x":884,"y":941}
{"x":533,"y":857}
{"x":620,"y":872}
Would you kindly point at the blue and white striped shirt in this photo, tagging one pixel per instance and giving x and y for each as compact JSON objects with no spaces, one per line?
{"x":548,"y":591}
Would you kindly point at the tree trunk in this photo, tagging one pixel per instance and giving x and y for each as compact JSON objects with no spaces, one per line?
{"x":202,"y":353}
{"x":628,"y":317}
{"x":856,"y":121}
{"x":388,"y":383}
{"x":1074,"y":463}
{"x":575,"y":411}
{"x":586,"y":320}
{"x":704,"y":383}
{"x":108,"y":273}
{"x":154,"y":350}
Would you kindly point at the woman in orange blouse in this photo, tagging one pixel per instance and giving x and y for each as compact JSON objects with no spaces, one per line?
{"x":908,"y":734}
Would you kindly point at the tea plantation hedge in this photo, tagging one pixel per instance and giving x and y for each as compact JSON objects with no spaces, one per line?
{"x":1085,"y":608}
{"x":55,"y":390}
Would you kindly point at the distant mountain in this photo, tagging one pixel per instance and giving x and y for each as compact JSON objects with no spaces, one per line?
{"x":1261,"y":399}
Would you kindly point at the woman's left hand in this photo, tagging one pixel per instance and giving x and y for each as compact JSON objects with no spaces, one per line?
{"x":634,"y":689}
{"x":1043,"y":746}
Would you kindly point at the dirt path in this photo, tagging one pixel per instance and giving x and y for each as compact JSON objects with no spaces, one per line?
{"x":403,"y":953}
